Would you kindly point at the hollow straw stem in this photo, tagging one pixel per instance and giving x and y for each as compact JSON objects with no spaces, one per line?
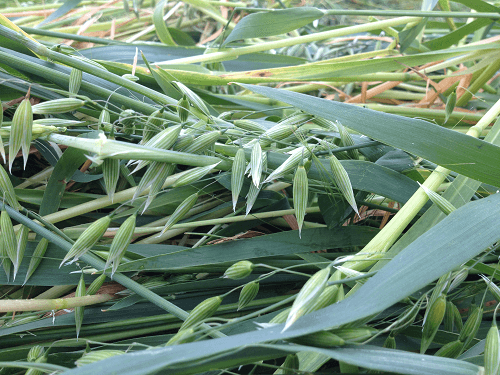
{"x":411,"y":13}
{"x":62,"y":79}
{"x":200,"y":223}
{"x":41,"y":50}
{"x":235,"y":52}
{"x":391,"y":232}
{"x":97,"y":263}
{"x":51,"y":304}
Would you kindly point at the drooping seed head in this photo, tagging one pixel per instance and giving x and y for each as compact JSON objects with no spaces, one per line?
{"x":21,"y":132}
{"x":342,"y":181}
{"x":237,"y":175}
{"x":239,"y":270}
{"x":75,"y":81}
{"x":442,"y":203}
{"x":300,"y":195}
{"x":182,"y":337}
{"x":58,"y":106}
{"x":120,"y":242}
{"x":97,"y":355}
{"x":87,"y":239}
{"x":307,"y":296}
{"x":248,"y":294}
{"x":432,"y":322}
{"x":180,"y":211}
{"x":202,"y":311}
{"x":321,"y":339}
{"x":193,"y":175}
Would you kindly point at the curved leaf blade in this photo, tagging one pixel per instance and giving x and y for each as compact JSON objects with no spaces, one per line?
{"x":444,"y":247}
{"x":461,"y":153}
{"x":262,"y":24}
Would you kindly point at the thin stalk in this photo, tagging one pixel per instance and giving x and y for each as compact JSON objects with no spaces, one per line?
{"x":485,"y":76}
{"x":107,"y":148}
{"x":7,"y":305}
{"x":193,"y":224}
{"x":62,"y":80}
{"x":84,"y":66}
{"x":79,"y":38}
{"x":235,"y":52}
{"x":423,"y":112}
{"x":391,"y":232}
{"x":411,"y":13}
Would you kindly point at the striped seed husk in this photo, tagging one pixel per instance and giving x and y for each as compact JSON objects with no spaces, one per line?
{"x":459,"y":324}
{"x":290,"y":366}
{"x":80,"y":292}
{"x":9,"y":237}
{"x":307,"y":296}
{"x":34,"y":371}
{"x":111,"y":174}
{"x":448,"y":320}
{"x":163,"y":140}
{"x":152,"y":173}
{"x":158,"y":183}
{"x":458,"y":278}
{"x":36,"y":258}
{"x":120,"y":243}
{"x":95,"y":285}
{"x":35,"y":353}
{"x":21,"y":242}
{"x":471,"y":326}
{"x":290,"y":163}
{"x":297,"y":118}
{"x":432,"y":322}
{"x":326,"y":298}
{"x":326,"y":124}
{"x":256,"y":162}
{"x":58,"y":106}
{"x":342,"y":181}
{"x":321,"y":339}
{"x":21,"y":132}
{"x":96,"y":355}
{"x":276,"y":133}
{"x":442,"y":203}
{"x":4,"y":259}
{"x":183,"y":142}
{"x":253,"y":193}
{"x":202,"y":311}
{"x":180,"y":211}
{"x":193,"y":175}
{"x":194,"y":99}
{"x":104,"y":119}
{"x":492,"y":350}
{"x":202,"y":142}
{"x":300,"y":195}
{"x":183,"y":109}
{"x":87,"y":239}
{"x":450,"y":105}
{"x":346,"y":140}
{"x":239,"y":270}
{"x":2,"y":148}
{"x":450,"y":350}
{"x":390,"y":342}
{"x":7,"y":189}
{"x":154,"y":124}
{"x":355,"y":334}
{"x":248,"y":294}
{"x":249,"y":125}
{"x":237,"y":175}
{"x":182,"y":337}
{"x":281,"y":317}
{"x":75,"y":81}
